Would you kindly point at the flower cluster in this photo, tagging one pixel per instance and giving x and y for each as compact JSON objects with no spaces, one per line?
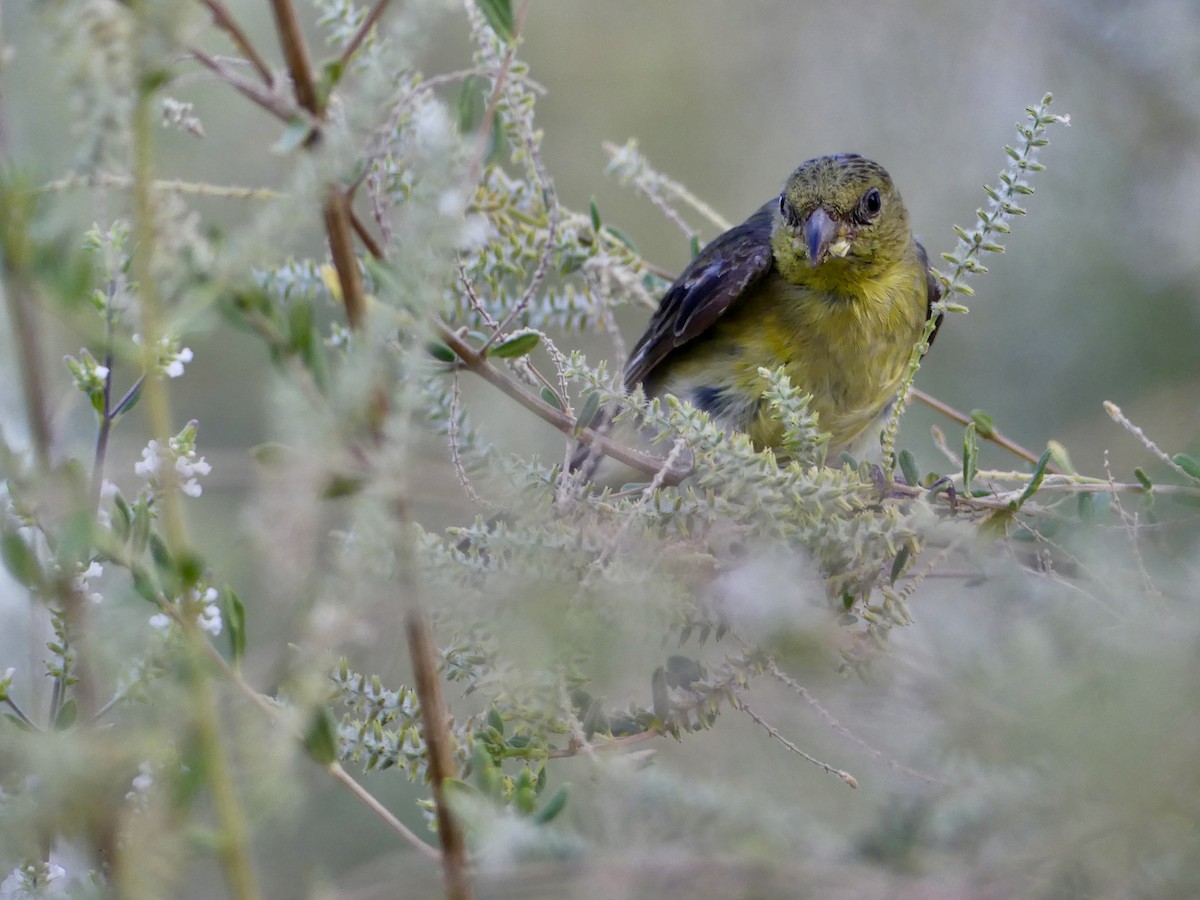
{"x":170,"y":358}
{"x":179,"y":455}
{"x":208,"y":618}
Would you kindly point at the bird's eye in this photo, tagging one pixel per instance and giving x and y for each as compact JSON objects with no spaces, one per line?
{"x":869,"y":206}
{"x":788,"y":211}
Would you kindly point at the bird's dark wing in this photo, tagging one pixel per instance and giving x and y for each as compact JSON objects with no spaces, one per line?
{"x":933,"y":288}
{"x":710,"y":284}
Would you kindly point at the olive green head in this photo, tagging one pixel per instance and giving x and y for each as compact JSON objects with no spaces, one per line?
{"x":840,"y":215}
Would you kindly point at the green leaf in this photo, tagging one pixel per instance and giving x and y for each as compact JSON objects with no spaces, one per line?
{"x":524,"y":792}
{"x":1143,"y":479}
{"x":900,"y":562}
{"x":295,"y":133}
{"x":496,"y":721}
{"x":235,"y":621}
{"x":970,"y":456}
{"x":470,"y":104}
{"x":440,"y":351}
{"x":595,"y":211}
{"x":552,"y":398}
{"x":20,"y":559}
{"x":1087,"y":508}
{"x":488,"y":777}
{"x":983,"y":423}
{"x":587,"y":413}
{"x":320,"y":741}
{"x":521,"y":345}
{"x":161,"y":556}
{"x":1035,"y":482}
{"x":620,"y":236}
{"x":499,"y":16}
{"x":1189,"y":464}
{"x":908,"y":467}
{"x":67,"y":714}
{"x":695,"y":245}
{"x":144,"y":586}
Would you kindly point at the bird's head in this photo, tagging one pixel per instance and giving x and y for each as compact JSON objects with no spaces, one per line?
{"x":840,"y":214}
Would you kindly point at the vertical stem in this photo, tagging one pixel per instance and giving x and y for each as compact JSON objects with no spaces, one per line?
{"x":27,"y":337}
{"x":234,"y":844}
{"x":340,"y":229}
{"x":295,"y":53}
{"x":437,"y":743}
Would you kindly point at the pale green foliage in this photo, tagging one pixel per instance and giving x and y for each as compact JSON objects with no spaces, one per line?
{"x":571,"y":619}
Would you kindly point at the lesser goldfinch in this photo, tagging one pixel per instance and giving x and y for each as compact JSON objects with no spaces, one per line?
{"x":825,"y":281}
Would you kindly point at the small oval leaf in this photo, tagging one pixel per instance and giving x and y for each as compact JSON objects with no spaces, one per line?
{"x":514,"y":347}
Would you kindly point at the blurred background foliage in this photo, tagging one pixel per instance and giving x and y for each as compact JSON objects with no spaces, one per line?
{"x":1035,"y":740}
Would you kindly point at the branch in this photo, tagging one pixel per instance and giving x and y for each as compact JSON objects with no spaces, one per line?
{"x":993,"y":435}
{"x":439,"y":755}
{"x":361,"y":34}
{"x":267,"y":99}
{"x":295,"y":52}
{"x":225,"y":21}
{"x":481,"y":366}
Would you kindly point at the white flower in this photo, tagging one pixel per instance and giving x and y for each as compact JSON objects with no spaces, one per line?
{"x":210,"y":620}
{"x":161,"y":621}
{"x":476,"y":232}
{"x":174,"y":366}
{"x":431,"y":127}
{"x":33,"y":881}
{"x":181,"y":452}
{"x":108,"y":490}
{"x":151,"y":462}
{"x":142,"y":780}
{"x":94,"y":570}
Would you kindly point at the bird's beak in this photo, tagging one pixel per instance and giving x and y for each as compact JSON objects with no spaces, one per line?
{"x":819,"y":232}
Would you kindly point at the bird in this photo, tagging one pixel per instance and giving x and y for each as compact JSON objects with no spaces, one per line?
{"x":825,"y":281}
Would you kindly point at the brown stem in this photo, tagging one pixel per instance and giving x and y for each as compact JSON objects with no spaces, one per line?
{"x":339,"y":228}
{"x":263,"y":97}
{"x":24,"y":317}
{"x":225,"y":21}
{"x":295,"y":52}
{"x":365,"y":236}
{"x":363,"y":30}
{"x":481,"y":366}
{"x":994,"y":436}
{"x":440,"y":756}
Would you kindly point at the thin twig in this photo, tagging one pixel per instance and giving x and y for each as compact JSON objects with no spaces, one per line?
{"x":174,"y":185}
{"x":772,"y":668}
{"x":455,"y":455}
{"x":438,"y":751}
{"x":1130,"y":523}
{"x":772,"y":731}
{"x":361,"y":35}
{"x":342,"y":777}
{"x":20,"y":714}
{"x":481,"y":366}
{"x":996,"y":437}
{"x":225,"y":21}
{"x":1117,"y":416}
{"x":269,"y":100}
{"x":368,"y":239}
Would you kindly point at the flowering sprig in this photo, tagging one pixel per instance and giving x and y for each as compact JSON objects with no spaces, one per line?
{"x":170,"y":358}
{"x":179,"y":455}
{"x":90,"y":376}
{"x":205,"y":601}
